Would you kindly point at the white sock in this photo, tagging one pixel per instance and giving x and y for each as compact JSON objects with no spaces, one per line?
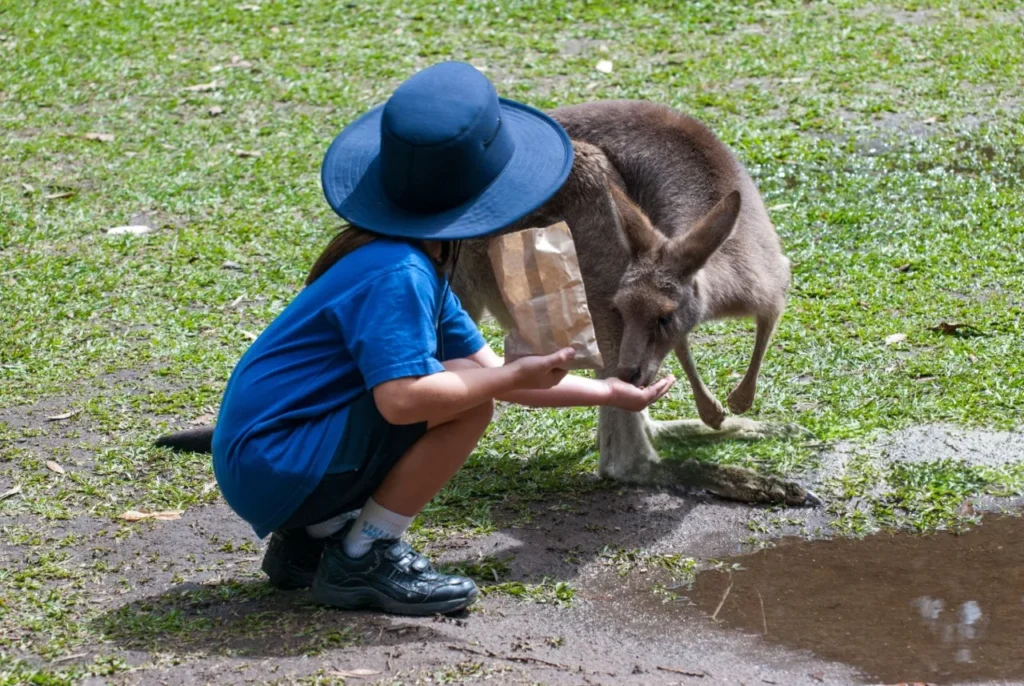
{"x":330,"y":526}
{"x":375,"y":523}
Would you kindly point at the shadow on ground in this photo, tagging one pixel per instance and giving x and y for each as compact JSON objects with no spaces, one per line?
{"x":247,"y":618}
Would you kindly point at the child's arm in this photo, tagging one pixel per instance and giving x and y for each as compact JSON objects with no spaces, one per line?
{"x":578,"y":391}
{"x":437,"y":397}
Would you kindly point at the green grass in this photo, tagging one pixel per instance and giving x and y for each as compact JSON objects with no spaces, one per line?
{"x":893,"y":226}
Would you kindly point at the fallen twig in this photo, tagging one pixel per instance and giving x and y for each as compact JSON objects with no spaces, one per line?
{"x":764,"y":618}
{"x":684,"y":672}
{"x":525,"y":659}
{"x":515,"y":658}
{"x":714,"y":617}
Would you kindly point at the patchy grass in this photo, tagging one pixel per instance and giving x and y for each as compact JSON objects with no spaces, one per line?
{"x":627,"y":561}
{"x":887,"y":141}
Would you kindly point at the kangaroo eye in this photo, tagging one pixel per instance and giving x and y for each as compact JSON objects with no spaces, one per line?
{"x":665,"y":321}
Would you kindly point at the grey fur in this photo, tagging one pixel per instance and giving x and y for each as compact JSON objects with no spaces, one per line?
{"x":663,"y":215}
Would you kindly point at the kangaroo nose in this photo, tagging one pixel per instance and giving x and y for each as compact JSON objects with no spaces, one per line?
{"x":630,"y":375}
{"x":625,"y":373}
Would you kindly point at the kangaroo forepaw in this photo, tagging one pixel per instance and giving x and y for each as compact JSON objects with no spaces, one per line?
{"x":741,"y":399}
{"x":711,"y":411}
{"x":735,"y":483}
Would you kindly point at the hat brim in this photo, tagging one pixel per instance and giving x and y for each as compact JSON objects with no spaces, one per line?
{"x":539,"y":166}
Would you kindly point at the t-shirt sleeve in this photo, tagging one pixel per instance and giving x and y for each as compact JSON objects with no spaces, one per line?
{"x":460,"y":335}
{"x":389,"y":326}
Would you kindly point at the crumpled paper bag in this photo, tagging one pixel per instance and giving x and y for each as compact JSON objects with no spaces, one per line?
{"x":541,"y":284}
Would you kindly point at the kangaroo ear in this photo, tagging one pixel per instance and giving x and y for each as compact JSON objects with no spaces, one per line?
{"x":693,"y":248}
{"x":640,"y":235}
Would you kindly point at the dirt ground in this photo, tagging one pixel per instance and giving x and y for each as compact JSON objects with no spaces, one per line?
{"x":183,"y":601}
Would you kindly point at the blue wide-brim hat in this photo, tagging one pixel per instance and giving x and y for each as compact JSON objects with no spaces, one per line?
{"x":444,"y":159}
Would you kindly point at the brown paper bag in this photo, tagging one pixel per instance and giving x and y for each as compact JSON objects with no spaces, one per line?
{"x":540,"y":281}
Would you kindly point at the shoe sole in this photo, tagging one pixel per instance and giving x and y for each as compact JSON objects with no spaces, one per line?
{"x":371,"y":599}
{"x":285,"y":577}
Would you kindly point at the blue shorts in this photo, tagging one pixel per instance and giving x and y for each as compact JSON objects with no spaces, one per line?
{"x":368,"y":441}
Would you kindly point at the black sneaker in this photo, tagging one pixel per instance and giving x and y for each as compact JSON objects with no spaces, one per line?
{"x":292,"y":558}
{"x":391,"y":577}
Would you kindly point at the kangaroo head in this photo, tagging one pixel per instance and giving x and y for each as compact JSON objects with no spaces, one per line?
{"x":659,"y":297}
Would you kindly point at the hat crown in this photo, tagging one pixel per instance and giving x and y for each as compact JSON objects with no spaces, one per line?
{"x":442,"y":139}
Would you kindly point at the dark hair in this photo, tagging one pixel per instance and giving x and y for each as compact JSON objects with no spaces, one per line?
{"x":352,"y":237}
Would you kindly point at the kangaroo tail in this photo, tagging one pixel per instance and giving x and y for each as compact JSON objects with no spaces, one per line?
{"x":198,"y":440}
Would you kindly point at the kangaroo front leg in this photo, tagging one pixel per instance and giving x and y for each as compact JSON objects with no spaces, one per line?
{"x":624,"y":443}
{"x":710,"y":410}
{"x":742,"y":397}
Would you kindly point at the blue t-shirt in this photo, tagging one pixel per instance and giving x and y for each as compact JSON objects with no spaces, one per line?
{"x":369,"y":319}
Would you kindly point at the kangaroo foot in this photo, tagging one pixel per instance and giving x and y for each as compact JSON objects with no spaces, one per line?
{"x":732,"y":483}
{"x":734,"y":428}
{"x":741,"y":399}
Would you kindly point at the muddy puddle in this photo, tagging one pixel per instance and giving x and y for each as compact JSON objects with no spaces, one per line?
{"x":943,"y":608}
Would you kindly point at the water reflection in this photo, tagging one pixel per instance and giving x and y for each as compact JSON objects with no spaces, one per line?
{"x":942,"y":608}
{"x":958,"y":633}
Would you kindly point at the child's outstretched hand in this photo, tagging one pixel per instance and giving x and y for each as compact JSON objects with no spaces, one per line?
{"x":538,"y":372}
{"x":629,"y":397}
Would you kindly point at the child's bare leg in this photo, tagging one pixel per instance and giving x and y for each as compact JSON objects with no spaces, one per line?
{"x":433,"y":460}
{"x":396,"y":578}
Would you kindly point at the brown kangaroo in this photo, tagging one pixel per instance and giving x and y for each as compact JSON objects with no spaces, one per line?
{"x":670,"y":231}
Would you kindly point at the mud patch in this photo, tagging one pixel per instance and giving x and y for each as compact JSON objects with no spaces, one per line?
{"x":897,"y":607}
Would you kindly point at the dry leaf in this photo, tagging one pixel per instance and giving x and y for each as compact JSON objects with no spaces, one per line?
{"x":930,"y":120}
{"x":99,"y":137}
{"x":231,"y":264}
{"x":903,"y":268}
{"x":248,"y":153}
{"x":54,"y":467}
{"x":128,"y":230}
{"x":29,"y":189}
{"x":960,"y":330}
{"x":353,"y":673}
{"x":165,"y":516}
{"x":782,"y":206}
{"x":250,"y":335}
{"x":58,"y":196}
{"x":604,"y":66}
{"x":895,"y":338}
{"x":238,"y":63}
{"x":215,"y":111}
{"x":10,"y":493}
{"x":64,"y":415}
{"x":202,"y":87}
